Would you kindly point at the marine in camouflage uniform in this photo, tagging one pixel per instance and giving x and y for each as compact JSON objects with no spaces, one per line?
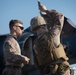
{"x":50,"y":54}
{"x":12,"y":53}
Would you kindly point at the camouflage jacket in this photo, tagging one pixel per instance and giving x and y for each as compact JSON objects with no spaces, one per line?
{"x":12,"y":52}
{"x":54,"y":21}
{"x":43,"y":48}
{"x":47,"y":54}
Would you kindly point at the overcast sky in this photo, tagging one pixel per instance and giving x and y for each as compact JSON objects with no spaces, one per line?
{"x":24,"y":10}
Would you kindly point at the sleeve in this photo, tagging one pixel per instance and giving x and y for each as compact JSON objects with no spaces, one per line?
{"x":11,"y":55}
{"x":54,"y":21}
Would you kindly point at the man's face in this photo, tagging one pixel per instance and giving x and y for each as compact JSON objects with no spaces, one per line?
{"x":19,"y":29}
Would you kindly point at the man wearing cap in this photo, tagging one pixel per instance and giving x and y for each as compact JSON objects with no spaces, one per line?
{"x":50,"y":54}
{"x":12,"y":53}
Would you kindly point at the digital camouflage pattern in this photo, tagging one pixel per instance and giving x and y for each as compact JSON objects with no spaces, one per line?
{"x":12,"y":71}
{"x":37,"y":21}
{"x":12,"y":56}
{"x":46,"y":60}
{"x":54,"y":21}
{"x":43,"y":49}
{"x":44,"y":46}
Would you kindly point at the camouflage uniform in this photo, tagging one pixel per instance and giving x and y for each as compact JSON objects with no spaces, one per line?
{"x":54,"y":19}
{"x":12,"y":55}
{"x":47,"y":61}
{"x":51,"y":60}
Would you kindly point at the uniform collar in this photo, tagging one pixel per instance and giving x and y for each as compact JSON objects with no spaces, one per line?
{"x":13,"y":36}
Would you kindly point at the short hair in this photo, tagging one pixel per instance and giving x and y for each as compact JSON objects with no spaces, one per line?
{"x":13,"y":22}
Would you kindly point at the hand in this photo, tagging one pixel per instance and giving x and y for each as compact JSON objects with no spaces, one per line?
{"x":41,"y":7}
{"x":26,"y":60}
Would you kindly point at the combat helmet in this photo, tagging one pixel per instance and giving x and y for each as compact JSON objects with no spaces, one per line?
{"x":37,"y":21}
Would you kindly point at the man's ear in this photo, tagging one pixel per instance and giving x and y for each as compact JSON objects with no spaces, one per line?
{"x":14,"y":27}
